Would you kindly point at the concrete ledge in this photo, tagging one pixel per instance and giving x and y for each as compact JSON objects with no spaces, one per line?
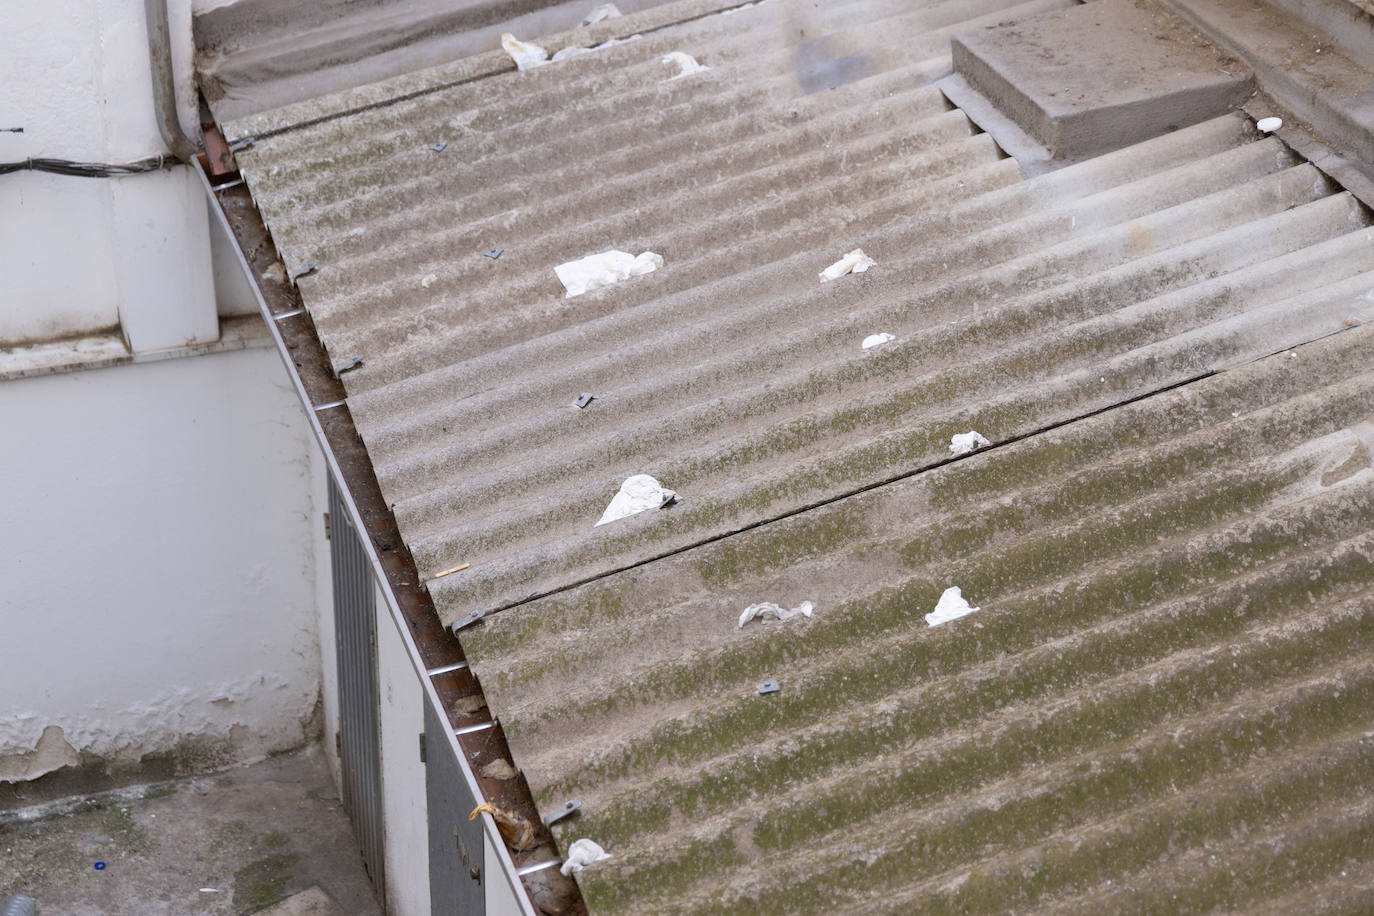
{"x":103,"y":350}
{"x":1098,"y":77}
{"x":1303,"y":69}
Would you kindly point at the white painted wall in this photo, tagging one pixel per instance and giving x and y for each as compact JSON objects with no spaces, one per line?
{"x":501,"y":896}
{"x":324,"y":603}
{"x":160,"y":564}
{"x":83,"y":254}
{"x":405,"y":816}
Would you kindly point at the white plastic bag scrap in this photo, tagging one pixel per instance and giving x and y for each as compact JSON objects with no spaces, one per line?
{"x":686,"y":64}
{"x":637,"y":494}
{"x":570,"y":51}
{"x":768,"y":609}
{"x":876,"y":340}
{"x":525,"y":54}
{"x":856,"y":262}
{"x":581,"y":854}
{"x":604,"y":11}
{"x":598,"y":270}
{"x":951,"y":606}
{"x":963,"y":443}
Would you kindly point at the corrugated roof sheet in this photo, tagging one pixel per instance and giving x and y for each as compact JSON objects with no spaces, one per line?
{"x":1164,"y":702}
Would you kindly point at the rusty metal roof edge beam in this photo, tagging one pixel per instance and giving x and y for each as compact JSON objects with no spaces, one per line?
{"x":434,"y":653}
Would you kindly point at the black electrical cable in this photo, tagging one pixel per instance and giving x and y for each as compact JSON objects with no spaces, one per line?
{"x":90,"y":169}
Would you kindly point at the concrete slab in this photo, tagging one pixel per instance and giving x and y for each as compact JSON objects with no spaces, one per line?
{"x":228,"y":844}
{"x":1101,"y":76}
{"x":312,"y":902}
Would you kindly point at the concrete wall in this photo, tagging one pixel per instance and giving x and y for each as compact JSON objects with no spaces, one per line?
{"x":86,"y":254}
{"x":404,"y":810}
{"x":404,"y":807}
{"x":160,"y":606}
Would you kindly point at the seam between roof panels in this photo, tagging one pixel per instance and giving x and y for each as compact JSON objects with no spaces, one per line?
{"x":440,"y":87}
{"x":905,"y":475}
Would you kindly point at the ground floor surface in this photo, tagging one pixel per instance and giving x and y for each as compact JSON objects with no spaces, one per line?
{"x":270,"y":838}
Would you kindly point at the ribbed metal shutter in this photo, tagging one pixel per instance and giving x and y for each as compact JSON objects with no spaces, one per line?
{"x":359,"y":738}
{"x":457,"y":853}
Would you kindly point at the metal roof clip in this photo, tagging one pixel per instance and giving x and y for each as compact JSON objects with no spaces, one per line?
{"x":494,"y":253}
{"x":440,"y":146}
{"x":468,"y":621}
{"x":584,"y":399}
{"x":568,"y":810}
{"x":769,"y":686}
{"x":306,"y":271}
{"x":353,"y":362}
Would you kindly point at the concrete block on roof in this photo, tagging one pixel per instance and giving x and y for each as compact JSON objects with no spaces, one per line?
{"x":1101,"y":76}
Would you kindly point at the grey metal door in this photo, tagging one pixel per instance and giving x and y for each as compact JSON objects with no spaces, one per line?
{"x":359,"y":737}
{"x":457,"y":852}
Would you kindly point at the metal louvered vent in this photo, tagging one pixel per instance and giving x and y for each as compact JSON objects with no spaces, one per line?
{"x":359,"y":740}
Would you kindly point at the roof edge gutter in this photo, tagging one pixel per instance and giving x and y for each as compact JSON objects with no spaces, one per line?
{"x":164,"y":86}
{"x":435,"y":653}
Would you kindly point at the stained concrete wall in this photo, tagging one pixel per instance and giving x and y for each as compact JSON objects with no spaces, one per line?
{"x":404,"y":801}
{"x":86,"y":254}
{"x":160,"y":606}
{"x":404,"y":809}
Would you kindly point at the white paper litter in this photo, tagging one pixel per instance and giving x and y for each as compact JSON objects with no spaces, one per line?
{"x":951,"y":606}
{"x":856,"y":262}
{"x":604,"y":11}
{"x":963,"y":443}
{"x":525,"y":54}
{"x":1269,"y":125}
{"x":598,"y":270}
{"x":637,"y":494}
{"x":581,"y":854}
{"x":877,"y":340}
{"x":686,"y":63}
{"x":768,"y":609}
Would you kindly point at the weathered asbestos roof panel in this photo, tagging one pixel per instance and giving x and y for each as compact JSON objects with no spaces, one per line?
{"x":1169,"y":538}
{"x":747,"y":186}
{"x":1164,"y":704}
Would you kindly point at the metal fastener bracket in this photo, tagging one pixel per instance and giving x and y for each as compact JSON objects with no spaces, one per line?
{"x":569,"y":808}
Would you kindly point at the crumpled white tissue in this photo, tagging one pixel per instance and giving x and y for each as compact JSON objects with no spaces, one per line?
{"x":598,"y":270}
{"x":604,"y":11}
{"x":767,"y":609}
{"x":963,"y":443}
{"x":876,"y":340}
{"x":951,"y":606}
{"x":525,"y":54}
{"x":856,"y":262}
{"x":686,"y":63}
{"x":581,"y":854}
{"x":637,"y":494}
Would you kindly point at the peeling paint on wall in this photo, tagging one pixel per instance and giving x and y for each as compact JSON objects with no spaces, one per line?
{"x":51,"y":752}
{"x":189,"y":642}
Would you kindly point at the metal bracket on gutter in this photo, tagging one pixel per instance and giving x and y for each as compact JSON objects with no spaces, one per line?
{"x":450,"y":687}
{"x":467,"y":621}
